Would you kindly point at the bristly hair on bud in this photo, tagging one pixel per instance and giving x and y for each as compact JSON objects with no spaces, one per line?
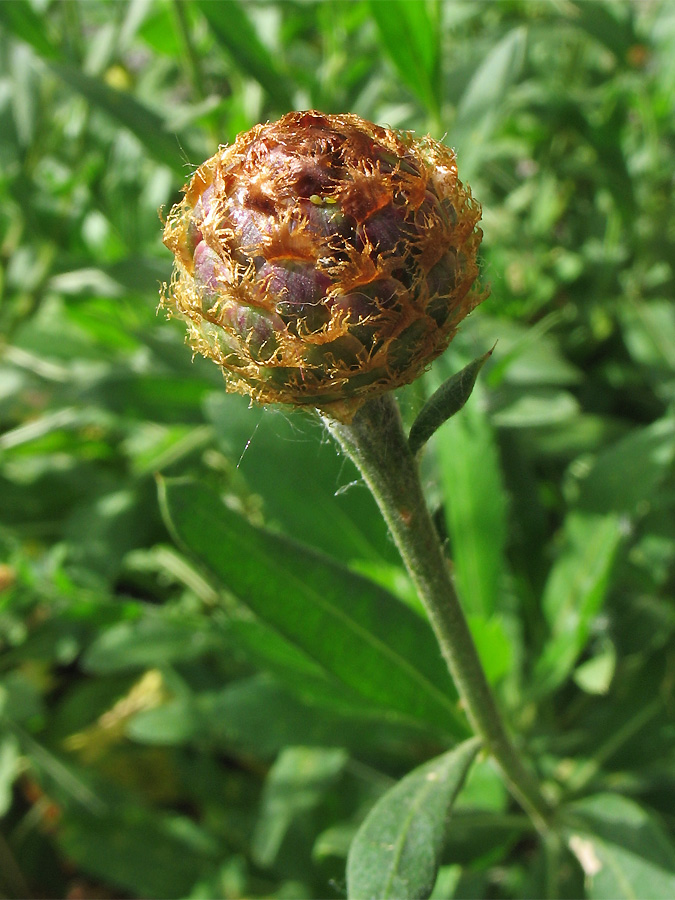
{"x":321,"y":260}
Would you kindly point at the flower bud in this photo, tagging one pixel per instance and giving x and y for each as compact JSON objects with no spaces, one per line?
{"x":321,"y":260}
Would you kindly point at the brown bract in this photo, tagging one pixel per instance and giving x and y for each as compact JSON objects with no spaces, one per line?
{"x":321,"y":260}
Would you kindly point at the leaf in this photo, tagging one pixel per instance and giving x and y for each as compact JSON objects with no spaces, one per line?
{"x":445,"y":402}
{"x":173,"y":723}
{"x":357,"y":632}
{"x":623,"y":849}
{"x":259,"y":717}
{"x":574,"y":593}
{"x":22,"y":21}
{"x":483,"y":101}
{"x":595,"y":675}
{"x":649,"y":332}
{"x":396,"y":851}
{"x":152,"y":641}
{"x":296,"y":783}
{"x":411,"y":41}
{"x":306,"y":679}
{"x":484,"y":97}
{"x":10,"y":767}
{"x":345,"y":523}
{"x":493,"y":646}
{"x":234,"y":31}
{"x":143,"y":122}
{"x":528,"y":407}
{"x":630,"y":473}
{"x":475,"y":507}
{"x":142,"y":851}
{"x":616,"y":32}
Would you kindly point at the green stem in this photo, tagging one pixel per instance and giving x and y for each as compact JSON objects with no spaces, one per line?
{"x":376,"y":442}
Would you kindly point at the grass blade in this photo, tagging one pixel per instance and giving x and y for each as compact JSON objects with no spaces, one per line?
{"x":234,"y":31}
{"x":410,"y":39}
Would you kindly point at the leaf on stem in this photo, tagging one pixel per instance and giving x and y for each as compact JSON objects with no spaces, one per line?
{"x":445,"y":402}
{"x":396,"y":851}
{"x":358,"y":632}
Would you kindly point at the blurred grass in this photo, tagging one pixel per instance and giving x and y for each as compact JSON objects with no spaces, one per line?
{"x":131,"y":681}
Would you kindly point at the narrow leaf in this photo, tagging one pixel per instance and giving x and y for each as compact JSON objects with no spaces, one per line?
{"x":23,"y":22}
{"x":475,"y":508}
{"x":143,"y":122}
{"x":357,"y":631}
{"x":616,"y":32}
{"x":345,"y":526}
{"x":622,"y":848}
{"x":305,"y":678}
{"x":445,"y":402}
{"x":10,"y":768}
{"x":258,"y":717}
{"x":574,"y":593}
{"x":396,"y":852}
{"x":296,"y":783}
{"x":234,"y":31}
{"x":483,"y":104}
{"x":485,"y":94}
{"x":410,"y":39}
{"x":629,"y":474}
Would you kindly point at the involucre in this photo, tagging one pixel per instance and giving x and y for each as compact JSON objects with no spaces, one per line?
{"x":321,"y":259}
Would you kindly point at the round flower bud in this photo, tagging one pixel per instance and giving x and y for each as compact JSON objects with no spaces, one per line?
{"x":321,"y":260}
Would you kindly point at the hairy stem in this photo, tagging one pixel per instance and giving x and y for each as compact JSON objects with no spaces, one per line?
{"x":376,"y":442}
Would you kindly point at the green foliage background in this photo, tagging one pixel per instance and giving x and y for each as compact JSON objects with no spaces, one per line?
{"x":174,"y":730}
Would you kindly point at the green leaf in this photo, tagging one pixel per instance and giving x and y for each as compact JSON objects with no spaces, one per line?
{"x":493,"y":646}
{"x":142,"y":851}
{"x":143,"y":122}
{"x":445,"y":402}
{"x":396,"y":852}
{"x":475,"y":507}
{"x":595,"y":675}
{"x":10,"y":767}
{"x":483,"y":102}
{"x":173,"y":723}
{"x":622,"y":848}
{"x":345,"y":523}
{"x":21,"y":20}
{"x":574,"y":593}
{"x":410,"y":39}
{"x":152,"y":641}
{"x":296,"y":783}
{"x":630,"y":473}
{"x":258,"y":716}
{"x":533,"y":407}
{"x":307,"y":680}
{"x":235,"y":32}
{"x":649,"y":332}
{"x":355,"y":630}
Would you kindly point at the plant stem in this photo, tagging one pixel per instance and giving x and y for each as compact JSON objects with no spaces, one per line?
{"x":376,"y":443}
